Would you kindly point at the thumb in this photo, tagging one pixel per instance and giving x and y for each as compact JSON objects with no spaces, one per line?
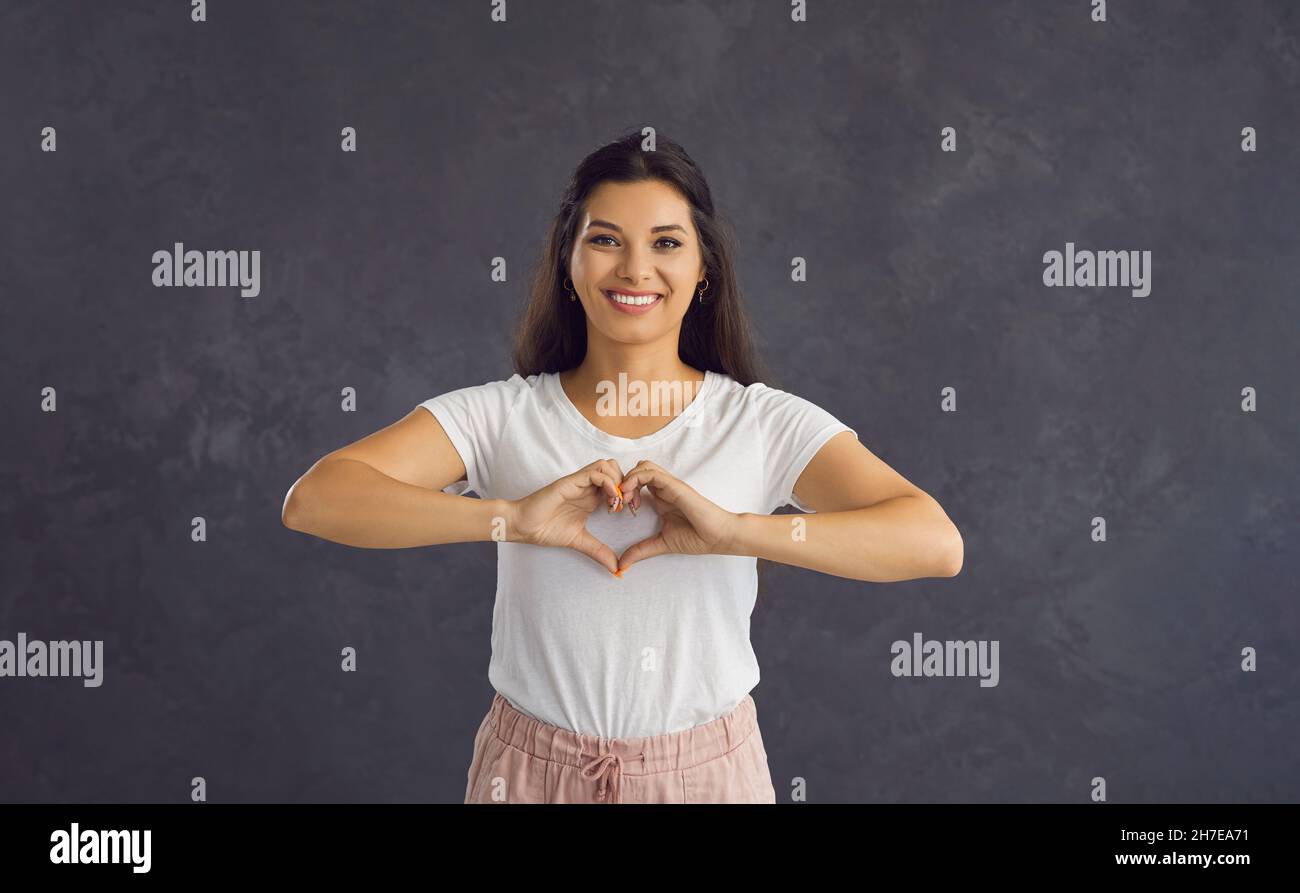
{"x":647,"y":548}
{"x":595,"y":550}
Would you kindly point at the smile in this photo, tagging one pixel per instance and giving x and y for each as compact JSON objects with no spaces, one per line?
{"x":632,"y":303}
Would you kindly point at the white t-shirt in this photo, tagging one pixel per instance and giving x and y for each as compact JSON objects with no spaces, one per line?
{"x":665,"y":647}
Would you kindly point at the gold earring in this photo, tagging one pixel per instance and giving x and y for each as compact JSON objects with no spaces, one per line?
{"x":569,"y":289}
{"x":703,"y":288}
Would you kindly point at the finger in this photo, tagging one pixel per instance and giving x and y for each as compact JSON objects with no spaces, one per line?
{"x":602,"y":475}
{"x":595,"y":550}
{"x":647,"y":548}
{"x":666,"y":487}
{"x":604,"y":486}
{"x":605,"y":466}
{"x":648,"y":495}
{"x":611,"y":468}
{"x":632,"y":490}
{"x":591,"y":477}
{"x":609,"y":489}
{"x":614,"y":502}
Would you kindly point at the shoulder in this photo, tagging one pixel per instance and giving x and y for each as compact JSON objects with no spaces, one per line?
{"x":515,"y":384}
{"x":499,"y":396}
{"x":763,"y":399}
{"x":786,"y":419}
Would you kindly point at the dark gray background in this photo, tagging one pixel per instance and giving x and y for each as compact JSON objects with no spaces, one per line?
{"x":821,"y":140}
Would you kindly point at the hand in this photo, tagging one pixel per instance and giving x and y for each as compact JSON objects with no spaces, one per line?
{"x":556,"y":515}
{"x":691,"y":524}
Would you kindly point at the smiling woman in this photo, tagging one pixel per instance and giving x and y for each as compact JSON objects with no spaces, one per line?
{"x":620,"y":640}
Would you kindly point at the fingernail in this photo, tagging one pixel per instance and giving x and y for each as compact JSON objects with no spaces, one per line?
{"x":632,"y":507}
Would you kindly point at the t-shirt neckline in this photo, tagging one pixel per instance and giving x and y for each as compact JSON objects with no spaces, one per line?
{"x":604,"y":438}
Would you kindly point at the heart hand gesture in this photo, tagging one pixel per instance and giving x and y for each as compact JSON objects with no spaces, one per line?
{"x":556,"y":515}
{"x":691,"y":524}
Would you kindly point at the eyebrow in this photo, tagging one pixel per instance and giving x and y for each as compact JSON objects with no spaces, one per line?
{"x":618,"y":229}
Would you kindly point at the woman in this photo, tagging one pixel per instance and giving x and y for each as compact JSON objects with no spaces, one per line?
{"x":621,"y":659}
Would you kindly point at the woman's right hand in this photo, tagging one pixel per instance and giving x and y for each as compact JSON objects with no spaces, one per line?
{"x":556,"y":515}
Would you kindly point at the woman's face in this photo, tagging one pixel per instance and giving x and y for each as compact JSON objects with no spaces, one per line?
{"x":637,"y":238}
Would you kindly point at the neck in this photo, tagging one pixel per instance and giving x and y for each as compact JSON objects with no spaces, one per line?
{"x":605,"y":360}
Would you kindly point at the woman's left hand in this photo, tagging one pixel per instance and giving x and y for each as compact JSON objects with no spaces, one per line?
{"x":690,"y":523}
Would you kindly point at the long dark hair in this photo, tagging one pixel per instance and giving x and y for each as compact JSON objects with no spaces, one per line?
{"x":552,"y":332}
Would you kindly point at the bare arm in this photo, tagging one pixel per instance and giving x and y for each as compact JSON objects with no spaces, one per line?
{"x":870,"y":523}
{"x":385,"y":492}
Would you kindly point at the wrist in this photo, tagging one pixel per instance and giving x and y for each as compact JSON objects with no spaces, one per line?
{"x":503,"y":521}
{"x":741,"y":527}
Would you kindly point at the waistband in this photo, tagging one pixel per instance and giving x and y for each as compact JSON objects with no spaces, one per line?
{"x":607,"y":759}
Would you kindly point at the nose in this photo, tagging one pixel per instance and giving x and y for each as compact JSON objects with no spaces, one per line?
{"x":633,"y":268}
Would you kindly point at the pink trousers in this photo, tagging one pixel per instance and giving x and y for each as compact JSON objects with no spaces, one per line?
{"x":518,"y":759}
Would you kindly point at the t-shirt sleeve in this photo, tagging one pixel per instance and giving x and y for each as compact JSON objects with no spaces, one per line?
{"x":793,"y":430}
{"x":474,"y":419}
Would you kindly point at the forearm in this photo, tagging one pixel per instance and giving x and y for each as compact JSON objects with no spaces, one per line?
{"x":350,"y":502}
{"x":904,"y":538}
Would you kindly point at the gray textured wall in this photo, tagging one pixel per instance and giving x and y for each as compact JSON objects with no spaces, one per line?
{"x":1118,"y":659}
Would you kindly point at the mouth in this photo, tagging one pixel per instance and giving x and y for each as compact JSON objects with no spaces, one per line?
{"x":632,"y":303}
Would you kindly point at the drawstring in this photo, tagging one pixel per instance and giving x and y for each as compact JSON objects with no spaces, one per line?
{"x":608,"y":768}
{"x":608,"y":780}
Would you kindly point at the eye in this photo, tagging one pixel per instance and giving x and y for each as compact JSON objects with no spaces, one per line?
{"x":595,"y":240}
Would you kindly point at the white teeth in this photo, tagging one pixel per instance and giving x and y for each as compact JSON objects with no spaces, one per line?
{"x":636,"y":301}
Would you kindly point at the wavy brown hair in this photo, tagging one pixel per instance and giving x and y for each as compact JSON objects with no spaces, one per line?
{"x":552,"y":332}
